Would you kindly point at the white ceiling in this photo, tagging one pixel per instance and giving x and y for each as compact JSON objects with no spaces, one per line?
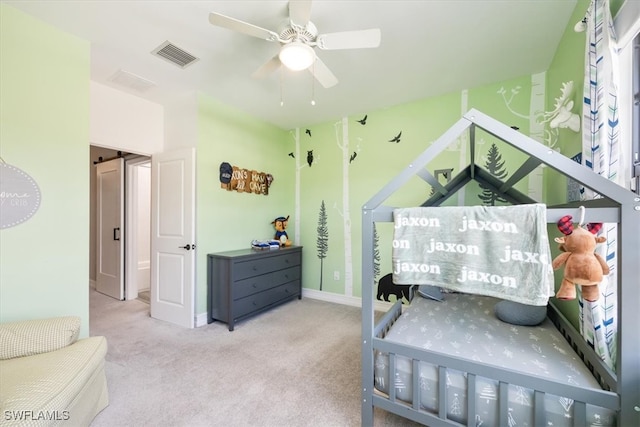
{"x":428,"y":48}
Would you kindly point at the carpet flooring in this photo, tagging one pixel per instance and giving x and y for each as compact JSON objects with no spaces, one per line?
{"x":295,"y":365}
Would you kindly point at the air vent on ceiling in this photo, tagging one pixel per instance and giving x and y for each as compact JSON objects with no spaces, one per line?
{"x":174,"y":54}
{"x":130,"y":80}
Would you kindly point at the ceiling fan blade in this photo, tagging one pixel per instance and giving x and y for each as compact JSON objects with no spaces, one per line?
{"x":267,"y":68}
{"x":323,"y":74}
{"x":350,"y":39}
{"x":220,"y":20}
{"x":300,"y":11}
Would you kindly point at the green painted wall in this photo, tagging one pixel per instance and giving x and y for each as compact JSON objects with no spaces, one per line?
{"x":377,"y":161}
{"x":567,"y":65}
{"x":228,"y":220}
{"x":44,"y":130}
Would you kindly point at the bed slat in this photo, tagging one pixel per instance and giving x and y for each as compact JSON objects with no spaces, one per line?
{"x":392,"y":377}
{"x":442,"y":392}
{"x":579,"y":414}
{"x":503,"y":403}
{"x":539,"y":417}
{"x":471,"y":400}
{"x":416,"y":384}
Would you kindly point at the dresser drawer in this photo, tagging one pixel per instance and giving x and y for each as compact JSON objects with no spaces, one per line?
{"x":287,"y":275}
{"x":263,"y":299}
{"x":251,"y":268}
{"x":252,"y":285}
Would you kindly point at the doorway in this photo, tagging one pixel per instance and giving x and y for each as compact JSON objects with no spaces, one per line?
{"x":136,"y":229}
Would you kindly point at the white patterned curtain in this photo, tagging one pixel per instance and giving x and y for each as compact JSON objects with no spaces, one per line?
{"x":600,"y":152}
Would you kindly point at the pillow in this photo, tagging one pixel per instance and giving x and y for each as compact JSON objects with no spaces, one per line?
{"x":430,"y":291}
{"x":29,"y":337}
{"x":520,"y":314}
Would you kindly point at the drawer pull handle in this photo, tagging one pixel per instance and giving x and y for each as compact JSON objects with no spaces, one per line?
{"x":255,"y":268}
{"x":286,"y":276}
{"x":255,"y":285}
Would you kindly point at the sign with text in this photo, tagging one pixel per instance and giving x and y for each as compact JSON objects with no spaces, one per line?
{"x":233,"y":178}
{"x":19,"y":196}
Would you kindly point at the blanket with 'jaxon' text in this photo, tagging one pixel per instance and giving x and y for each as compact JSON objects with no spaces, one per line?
{"x":499,"y":251}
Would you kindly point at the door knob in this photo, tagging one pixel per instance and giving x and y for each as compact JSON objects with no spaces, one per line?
{"x":187,"y":247}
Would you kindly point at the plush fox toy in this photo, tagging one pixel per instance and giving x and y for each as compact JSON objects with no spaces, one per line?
{"x":582,"y":266}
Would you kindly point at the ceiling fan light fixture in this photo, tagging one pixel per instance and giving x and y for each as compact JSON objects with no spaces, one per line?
{"x":297,"y":56}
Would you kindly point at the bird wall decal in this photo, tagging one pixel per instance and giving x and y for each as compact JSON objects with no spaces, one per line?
{"x":310,"y":157}
{"x":353,"y":157}
{"x":396,"y":138}
{"x":308,"y":132}
{"x":292,"y":155}
{"x":363,"y":121}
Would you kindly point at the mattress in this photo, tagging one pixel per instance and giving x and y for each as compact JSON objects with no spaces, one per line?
{"x":464,"y":325}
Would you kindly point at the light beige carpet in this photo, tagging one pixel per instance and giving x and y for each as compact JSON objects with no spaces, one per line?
{"x":296,"y":365}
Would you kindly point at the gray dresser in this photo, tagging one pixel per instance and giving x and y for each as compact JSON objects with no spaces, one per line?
{"x":245,"y":282}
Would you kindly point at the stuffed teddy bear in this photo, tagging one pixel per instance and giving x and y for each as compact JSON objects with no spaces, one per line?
{"x":582,"y":266}
{"x":280,"y":225}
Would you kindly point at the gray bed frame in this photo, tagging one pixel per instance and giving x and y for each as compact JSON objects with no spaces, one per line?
{"x":620,"y":390}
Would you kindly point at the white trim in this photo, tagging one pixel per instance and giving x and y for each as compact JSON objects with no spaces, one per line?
{"x":627,"y":22}
{"x":343,"y":299}
{"x":131,"y":241}
{"x":200,"y":320}
{"x":131,"y":224}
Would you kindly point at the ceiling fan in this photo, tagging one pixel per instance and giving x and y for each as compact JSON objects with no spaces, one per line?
{"x":298,"y":37}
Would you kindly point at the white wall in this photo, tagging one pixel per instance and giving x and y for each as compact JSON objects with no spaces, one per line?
{"x":181,"y":122}
{"x":125,"y":122}
{"x":144,"y":226}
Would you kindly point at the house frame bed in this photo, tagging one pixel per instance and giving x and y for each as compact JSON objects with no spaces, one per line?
{"x":620,"y":390}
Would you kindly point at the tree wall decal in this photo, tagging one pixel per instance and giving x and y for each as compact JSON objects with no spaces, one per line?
{"x":495,"y":166}
{"x":322,"y":243}
{"x":342,"y":141}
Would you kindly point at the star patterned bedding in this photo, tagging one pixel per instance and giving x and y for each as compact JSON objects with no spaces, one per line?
{"x":464,"y":325}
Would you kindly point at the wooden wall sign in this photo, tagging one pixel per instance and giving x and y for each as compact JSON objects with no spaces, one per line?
{"x":233,"y":178}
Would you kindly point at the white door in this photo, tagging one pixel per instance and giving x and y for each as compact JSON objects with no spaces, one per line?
{"x":109,"y":222}
{"x":173,"y":236}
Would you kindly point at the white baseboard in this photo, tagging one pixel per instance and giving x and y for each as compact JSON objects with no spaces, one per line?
{"x":343,"y":299}
{"x":201,"y":319}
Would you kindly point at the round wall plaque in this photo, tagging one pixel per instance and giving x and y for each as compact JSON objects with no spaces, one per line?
{"x":19,"y":196}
